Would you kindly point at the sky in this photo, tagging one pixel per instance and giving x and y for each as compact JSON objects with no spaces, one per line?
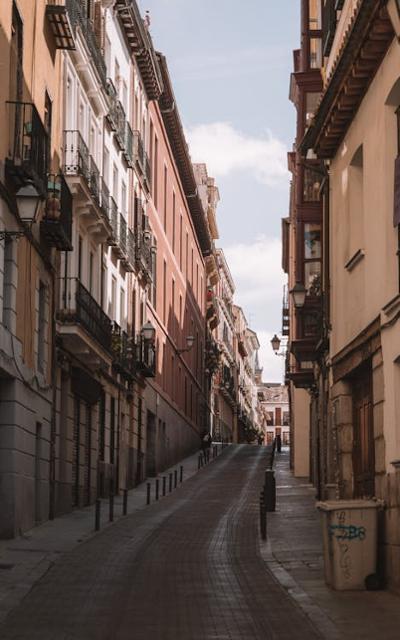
{"x":230,"y":64}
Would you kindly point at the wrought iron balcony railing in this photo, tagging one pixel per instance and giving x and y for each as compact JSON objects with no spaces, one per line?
{"x":128,"y":146}
{"x":29,"y":146}
{"x":145,"y":357}
{"x":105,"y":199}
{"x":120,"y":124}
{"x":143,"y":251}
{"x":79,"y":307}
{"x":94,"y":181}
{"x":141,"y":158}
{"x":56,"y":225}
{"x":122,"y":234}
{"x":113,"y":240}
{"x":112,"y":115}
{"x":123,"y":350}
{"x":76,"y":159}
{"x":73,"y":11}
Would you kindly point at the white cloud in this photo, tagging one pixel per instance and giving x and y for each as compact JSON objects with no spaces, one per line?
{"x":259,"y":279}
{"x":225,"y":150}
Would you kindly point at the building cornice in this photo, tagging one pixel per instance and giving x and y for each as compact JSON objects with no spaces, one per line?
{"x":176,"y":136}
{"x":365,"y":44}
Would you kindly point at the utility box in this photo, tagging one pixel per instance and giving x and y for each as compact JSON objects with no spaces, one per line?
{"x":350,"y":537}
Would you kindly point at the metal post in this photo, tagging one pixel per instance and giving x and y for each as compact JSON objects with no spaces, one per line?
{"x":263,"y":516}
{"x":157,"y":488}
{"x":97,"y":515}
{"x":199,"y":461}
{"x":270,"y":490}
{"x":148,"y":492}
{"x":175,"y":478}
{"x":164,"y":485}
{"x":125,"y":503}
{"x":170,"y":483}
{"x":111,"y":501}
{"x":181,"y":474}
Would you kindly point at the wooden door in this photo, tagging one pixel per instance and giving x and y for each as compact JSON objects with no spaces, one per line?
{"x":363,"y":435}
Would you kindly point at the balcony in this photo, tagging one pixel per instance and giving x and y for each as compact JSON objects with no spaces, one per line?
{"x":145,"y":357}
{"x":227,"y":385}
{"x":120,"y":124}
{"x":141,"y":159}
{"x":112,"y":115}
{"x":328,"y":25}
{"x":28,"y":152}
{"x":143,"y":250}
{"x":128,"y":146}
{"x":83,"y":325}
{"x":61,"y":20}
{"x":120,"y":246}
{"x":128,"y":261}
{"x":56,"y":225}
{"x":123,"y":352}
{"x":83,"y":177}
{"x":113,"y":217}
{"x":213,"y":356}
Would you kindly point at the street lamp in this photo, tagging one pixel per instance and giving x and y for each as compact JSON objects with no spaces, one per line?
{"x":148,"y":332}
{"x":189,"y":344}
{"x":298,"y":294}
{"x":28,"y":200}
{"x":276,"y":343}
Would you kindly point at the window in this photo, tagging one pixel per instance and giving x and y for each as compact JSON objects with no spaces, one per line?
{"x":124,"y":96}
{"x":115,"y":183}
{"x":113,"y":298}
{"x":117,"y":77}
{"x":165,"y":197}
{"x":153,"y":286}
{"x":312,"y":258}
{"x":103,"y":285}
{"x":123,"y":199}
{"x":8,"y":284}
{"x":16,"y":57}
{"x":122,"y":315}
{"x":312,"y":100}
{"x":155,"y":173}
{"x":187,"y":254}
{"x":41,"y":327}
{"x":91,"y":272}
{"x":106,"y":166}
{"x":180,"y":241}
{"x":80,"y":255}
{"x":165,"y":293}
{"x":173,"y":221}
{"x":315,"y":53}
{"x":173,"y":308}
{"x":314,"y":17}
{"x":312,"y":185}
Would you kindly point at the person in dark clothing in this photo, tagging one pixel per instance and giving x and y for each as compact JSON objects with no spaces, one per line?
{"x":278,"y":443}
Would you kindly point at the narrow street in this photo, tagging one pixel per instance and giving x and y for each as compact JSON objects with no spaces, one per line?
{"x":185,"y":568}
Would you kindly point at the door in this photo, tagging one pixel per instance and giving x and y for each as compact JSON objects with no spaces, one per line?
{"x":151,"y":445}
{"x":363,"y":434}
{"x":76,"y":452}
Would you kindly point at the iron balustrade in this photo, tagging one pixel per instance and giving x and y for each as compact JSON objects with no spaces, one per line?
{"x":145,"y":357}
{"x":123,"y":350}
{"x":112,"y":115}
{"x":128,"y":145}
{"x":29,"y":145}
{"x":120,"y":124}
{"x":105,"y":199}
{"x":56,"y":225}
{"x":143,"y":251}
{"x":114,"y":218}
{"x":141,"y":157}
{"x":76,"y":155}
{"x":94,"y":180}
{"x":122,"y":233}
{"x":131,"y":248}
{"x":79,"y":306}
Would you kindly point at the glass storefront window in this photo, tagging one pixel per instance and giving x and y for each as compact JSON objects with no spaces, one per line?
{"x":311,"y":185}
{"x":312,"y":241}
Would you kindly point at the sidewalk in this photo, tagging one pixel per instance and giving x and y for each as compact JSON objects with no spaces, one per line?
{"x":293,"y":551}
{"x":24,"y":560}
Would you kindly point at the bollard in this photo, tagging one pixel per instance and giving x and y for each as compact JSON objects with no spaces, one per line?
{"x":125,"y":503}
{"x":198,"y":462}
{"x":148,"y":492}
{"x":270,"y":490}
{"x":170,"y":483}
{"x":157,"y":488}
{"x":164,"y":485}
{"x":263,"y":516}
{"x":175,"y":478}
{"x":181,"y":474}
{"x":97,"y":514}
{"x":111,"y":501}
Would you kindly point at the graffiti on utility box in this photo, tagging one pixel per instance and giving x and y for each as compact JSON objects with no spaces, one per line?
{"x":347,"y":532}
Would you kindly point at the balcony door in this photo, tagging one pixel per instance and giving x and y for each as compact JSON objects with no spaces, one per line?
{"x":363,"y":434}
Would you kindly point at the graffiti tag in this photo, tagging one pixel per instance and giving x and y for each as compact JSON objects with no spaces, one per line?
{"x":347,"y":532}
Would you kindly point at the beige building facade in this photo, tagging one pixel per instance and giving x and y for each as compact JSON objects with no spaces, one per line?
{"x":353,"y":137}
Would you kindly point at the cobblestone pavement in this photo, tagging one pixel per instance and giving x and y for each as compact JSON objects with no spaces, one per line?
{"x":187,"y":568}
